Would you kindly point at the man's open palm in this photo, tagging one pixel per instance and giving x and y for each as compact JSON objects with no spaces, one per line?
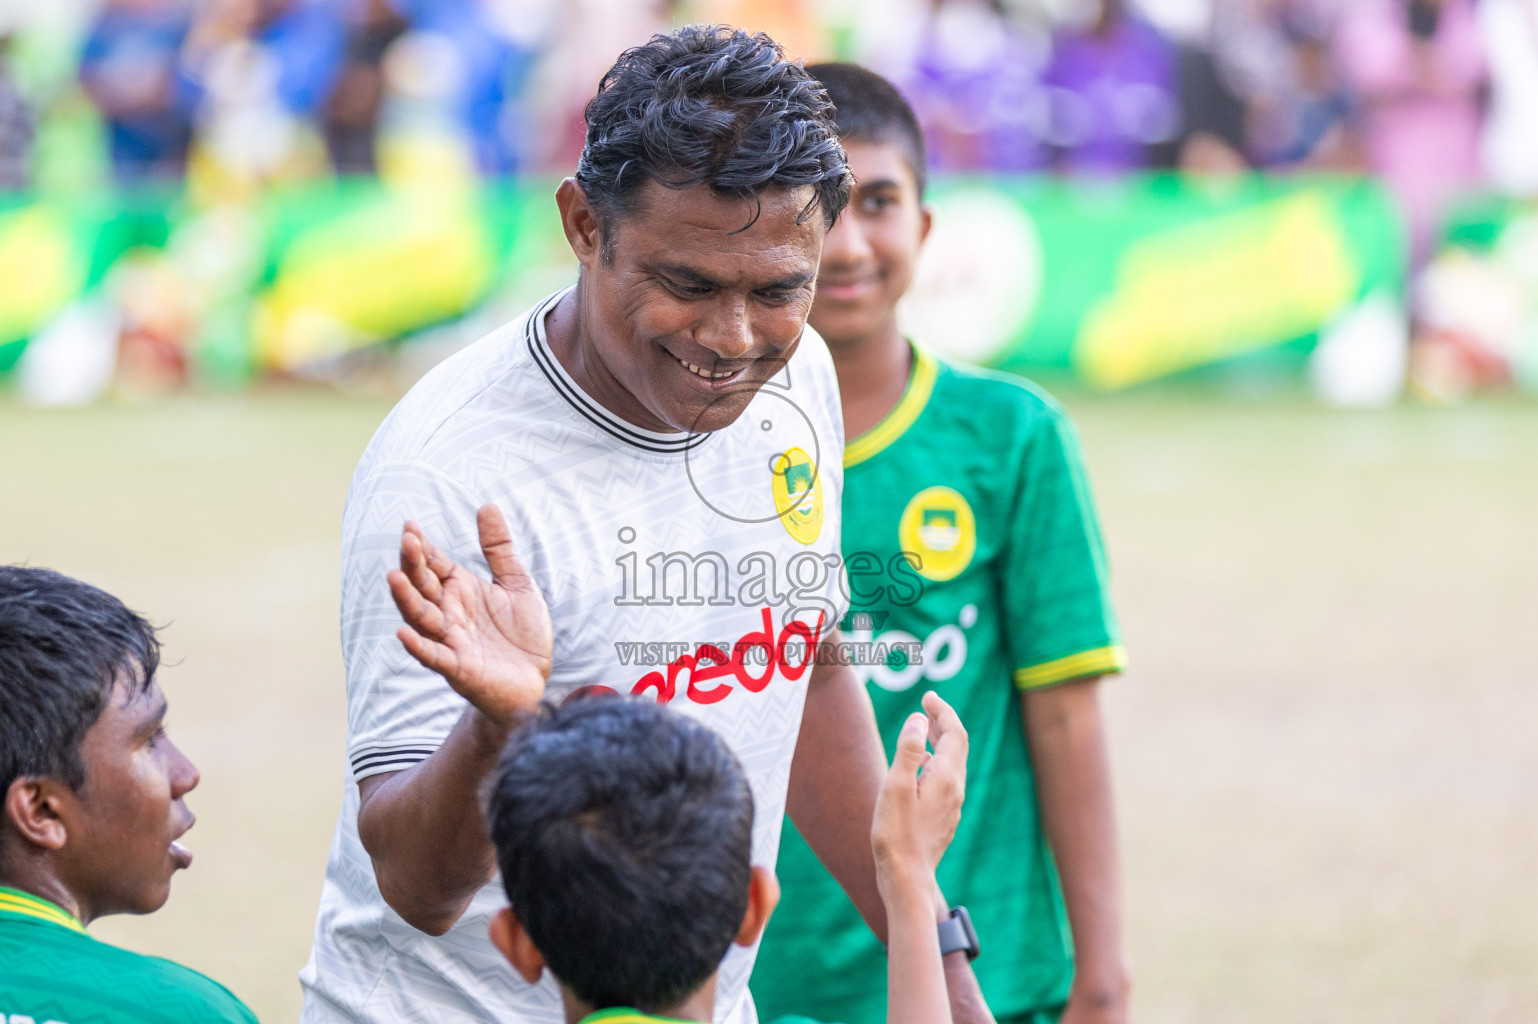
{"x":491,"y":639}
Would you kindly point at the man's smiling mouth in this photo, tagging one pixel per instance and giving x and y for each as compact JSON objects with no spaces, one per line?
{"x":706,"y":374}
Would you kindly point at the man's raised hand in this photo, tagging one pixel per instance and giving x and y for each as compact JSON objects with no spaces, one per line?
{"x":920,"y":802}
{"x":490,"y":639}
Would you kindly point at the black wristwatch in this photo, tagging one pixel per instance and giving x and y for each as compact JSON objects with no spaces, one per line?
{"x":957,"y":933}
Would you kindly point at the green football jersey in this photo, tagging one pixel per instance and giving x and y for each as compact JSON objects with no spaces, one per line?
{"x":54,"y":973}
{"x":619,"y":1015}
{"x":976,"y":570}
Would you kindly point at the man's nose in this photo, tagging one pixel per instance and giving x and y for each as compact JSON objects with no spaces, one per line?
{"x":726,"y":331}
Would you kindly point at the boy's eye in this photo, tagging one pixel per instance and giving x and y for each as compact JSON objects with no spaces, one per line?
{"x":876,"y":204}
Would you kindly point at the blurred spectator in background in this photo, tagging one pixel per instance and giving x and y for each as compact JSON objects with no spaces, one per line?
{"x":585,"y":37}
{"x":1112,"y":90}
{"x":350,"y":116}
{"x":494,"y":44}
{"x":131,"y":68}
{"x":1212,"y":118}
{"x":1418,"y":70}
{"x":975,"y":87}
{"x":798,"y":25}
{"x":1276,"y":55}
{"x":1510,"y":29}
{"x":17,"y":125}
{"x":266,"y":67}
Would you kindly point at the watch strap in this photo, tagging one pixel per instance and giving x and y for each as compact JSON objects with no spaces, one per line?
{"x":957,"y":934}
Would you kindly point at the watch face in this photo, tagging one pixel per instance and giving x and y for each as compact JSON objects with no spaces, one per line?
{"x":957,"y":934}
{"x":973,"y":947}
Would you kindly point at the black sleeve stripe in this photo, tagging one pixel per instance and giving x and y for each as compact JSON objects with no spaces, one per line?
{"x":365,"y":760}
{"x":397,"y":765}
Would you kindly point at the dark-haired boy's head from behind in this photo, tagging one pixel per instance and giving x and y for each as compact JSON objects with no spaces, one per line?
{"x":710,"y":173}
{"x":870,"y":255}
{"x":92,"y":789}
{"x":623,"y":832}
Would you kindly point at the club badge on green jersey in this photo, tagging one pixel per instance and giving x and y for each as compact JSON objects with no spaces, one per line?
{"x":938,"y":527}
{"x":798,"y":494}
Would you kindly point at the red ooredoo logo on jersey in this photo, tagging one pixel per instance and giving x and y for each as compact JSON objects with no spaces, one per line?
{"x":709,"y":675}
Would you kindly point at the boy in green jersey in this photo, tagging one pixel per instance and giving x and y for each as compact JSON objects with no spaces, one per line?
{"x":92,"y":814}
{"x":968,"y":530}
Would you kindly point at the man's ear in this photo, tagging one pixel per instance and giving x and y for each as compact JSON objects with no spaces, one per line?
{"x":926,"y":221}
{"x":580,"y":222}
{"x":507,"y":934}
{"x":763,"y":897}
{"x":31,"y":808}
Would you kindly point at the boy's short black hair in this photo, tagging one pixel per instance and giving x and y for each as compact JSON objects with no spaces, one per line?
{"x":710,"y":105}
{"x":624,"y":832}
{"x":64,"y":644}
{"x":868,"y":108}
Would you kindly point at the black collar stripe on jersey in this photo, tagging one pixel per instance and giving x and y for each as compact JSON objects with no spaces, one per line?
{"x":599,"y":417}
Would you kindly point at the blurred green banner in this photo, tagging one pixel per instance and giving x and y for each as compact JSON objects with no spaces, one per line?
{"x":1115,"y":282}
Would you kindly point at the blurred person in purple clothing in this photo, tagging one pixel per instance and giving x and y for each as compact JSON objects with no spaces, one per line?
{"x":131,"y":68}
{"x":1113,"y":88}
{"x":975,"y":86}
{"x":1418,"y":70}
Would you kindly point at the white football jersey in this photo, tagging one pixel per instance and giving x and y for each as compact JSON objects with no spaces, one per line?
{"x":693,"y":568}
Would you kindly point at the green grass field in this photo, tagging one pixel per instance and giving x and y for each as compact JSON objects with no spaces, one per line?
{"x":1325,"y":751}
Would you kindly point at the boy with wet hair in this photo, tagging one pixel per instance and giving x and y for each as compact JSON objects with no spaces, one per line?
{"x":92,"y":813}
{"x":623,"y":832}
{"x":972,"y":485}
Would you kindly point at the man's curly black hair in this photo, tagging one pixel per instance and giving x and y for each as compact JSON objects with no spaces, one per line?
{"x":715,"y":106}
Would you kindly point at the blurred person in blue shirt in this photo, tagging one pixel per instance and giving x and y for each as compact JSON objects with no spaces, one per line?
{"x":494,"y":57}
{"x":308,"y":40}
{"x":1275,"y":54}
{"x":131,"y":68}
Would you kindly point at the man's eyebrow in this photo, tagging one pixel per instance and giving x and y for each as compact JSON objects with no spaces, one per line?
{"x":791,"y":283}
{"x":687,"y":275}
{"x":878,"y":184}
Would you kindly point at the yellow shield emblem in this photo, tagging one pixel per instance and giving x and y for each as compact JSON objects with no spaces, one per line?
{"x":798,"y":494}
{"x":938,"y":527}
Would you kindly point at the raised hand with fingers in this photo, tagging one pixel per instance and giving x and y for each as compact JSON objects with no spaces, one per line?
{"x":491,"y":639}
{"x":920,"y":802}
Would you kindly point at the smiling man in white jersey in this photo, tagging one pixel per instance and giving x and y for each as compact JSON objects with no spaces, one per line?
{"x":664,"y":440}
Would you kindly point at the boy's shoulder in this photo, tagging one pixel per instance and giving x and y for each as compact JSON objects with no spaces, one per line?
{"x":992,"y":398}
{"x":72,"y":969}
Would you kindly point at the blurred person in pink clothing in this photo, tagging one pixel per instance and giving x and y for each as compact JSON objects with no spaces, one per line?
{"x":1418,"y":70}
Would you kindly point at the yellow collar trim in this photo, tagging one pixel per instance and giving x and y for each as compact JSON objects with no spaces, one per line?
{"x":620,"y":1015}
{"x":896,"y":423}
{"x":14,"y":901}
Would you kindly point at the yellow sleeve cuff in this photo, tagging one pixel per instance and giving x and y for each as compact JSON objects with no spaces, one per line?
{"x":1098,"y":662}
